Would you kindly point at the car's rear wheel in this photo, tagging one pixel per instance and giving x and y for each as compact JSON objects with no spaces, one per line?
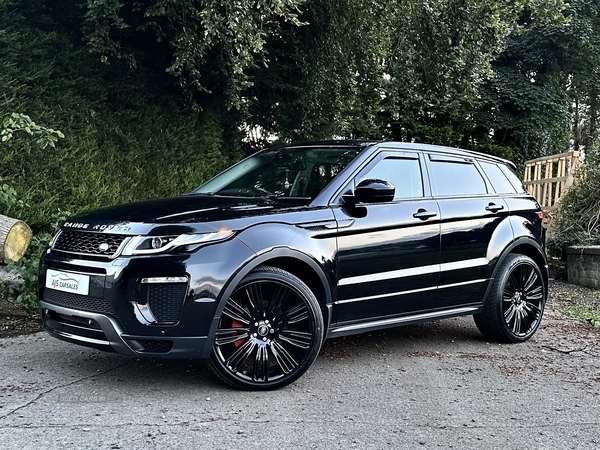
{"x":515,"y":305}
{"x":270,"y":331}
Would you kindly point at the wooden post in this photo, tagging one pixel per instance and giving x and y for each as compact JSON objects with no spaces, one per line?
{"x":15,"y":237}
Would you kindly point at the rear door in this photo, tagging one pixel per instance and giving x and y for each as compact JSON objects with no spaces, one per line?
{"x":472,"y":213}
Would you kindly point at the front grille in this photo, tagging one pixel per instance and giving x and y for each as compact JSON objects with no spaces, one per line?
{"x":80,"y":302}
{"x":84,"y":243}
{"x":166,"y":301}
{"x":156,"y":346}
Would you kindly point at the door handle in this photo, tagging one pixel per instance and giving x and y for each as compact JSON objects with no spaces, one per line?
{"x":492,"y":207}
{"x":423,"y":214}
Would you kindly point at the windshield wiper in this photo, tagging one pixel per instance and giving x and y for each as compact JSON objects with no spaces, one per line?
{"x":283,"y":198}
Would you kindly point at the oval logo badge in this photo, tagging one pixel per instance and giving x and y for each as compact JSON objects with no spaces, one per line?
{"x":103,"y":247}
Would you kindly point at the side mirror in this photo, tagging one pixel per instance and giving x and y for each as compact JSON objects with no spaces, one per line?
{"x":374,"y":191}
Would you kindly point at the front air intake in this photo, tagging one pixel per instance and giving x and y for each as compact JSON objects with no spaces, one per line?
{"x":160,"y":303}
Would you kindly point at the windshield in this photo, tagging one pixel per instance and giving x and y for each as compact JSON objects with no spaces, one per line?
{"x":283,"y":172}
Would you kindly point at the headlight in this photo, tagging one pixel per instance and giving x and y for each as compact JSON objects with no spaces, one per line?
{"x":147,"y":245}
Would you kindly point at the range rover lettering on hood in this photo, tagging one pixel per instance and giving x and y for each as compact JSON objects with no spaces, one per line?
{"x":86,"y":226}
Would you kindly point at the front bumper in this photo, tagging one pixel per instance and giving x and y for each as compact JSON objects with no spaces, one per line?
{"x":107,"y":317}
{"x":105,"y":333}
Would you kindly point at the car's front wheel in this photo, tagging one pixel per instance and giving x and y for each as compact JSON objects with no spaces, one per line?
{"x":270,"y":331}
{"x":515,"y":304}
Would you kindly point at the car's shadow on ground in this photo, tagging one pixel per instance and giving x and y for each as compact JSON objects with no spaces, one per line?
{"x":158,"y":373}
{"x":405,"y":340}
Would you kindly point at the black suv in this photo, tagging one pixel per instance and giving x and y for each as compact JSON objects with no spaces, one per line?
{"x":299,"y":243}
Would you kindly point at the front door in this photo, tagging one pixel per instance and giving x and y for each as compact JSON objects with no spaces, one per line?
{"x":388,"y":253}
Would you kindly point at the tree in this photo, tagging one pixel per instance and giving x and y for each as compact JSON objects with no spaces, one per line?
{"x":207,"y":44}
{"x":373,"y":70}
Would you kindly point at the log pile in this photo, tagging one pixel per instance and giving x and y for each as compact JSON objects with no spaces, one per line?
{"x":15,"y":237}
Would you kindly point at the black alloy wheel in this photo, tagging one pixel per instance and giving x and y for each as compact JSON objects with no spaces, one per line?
{"x":270,"y":331}
{"x":515,"y":305}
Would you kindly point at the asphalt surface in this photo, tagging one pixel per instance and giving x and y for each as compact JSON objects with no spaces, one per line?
{"x":424,"y":386}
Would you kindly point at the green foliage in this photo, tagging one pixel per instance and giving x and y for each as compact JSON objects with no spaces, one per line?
{"x":481,"y":74}
{"x":588,"y":313}
{"x":127,"y":136}
{"x":23,"y":293}
{"x":578,"y":218}
{"x":372,"y":70}
{"x":16,"y":122}
{"x":201,"y":42}
{"x":9,"y":198}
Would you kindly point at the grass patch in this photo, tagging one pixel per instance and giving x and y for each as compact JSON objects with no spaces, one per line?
{"x":579,"y":302}
{"x":588,"y":313}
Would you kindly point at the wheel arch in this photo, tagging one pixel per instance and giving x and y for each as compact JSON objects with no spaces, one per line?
{"x":535,"y":253}
{"x":290,"y":260}
{"x":309,"y":275}
{"x":523,"y":246}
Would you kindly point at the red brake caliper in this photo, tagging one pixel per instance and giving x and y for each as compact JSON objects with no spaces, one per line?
{"x":236,"y":324}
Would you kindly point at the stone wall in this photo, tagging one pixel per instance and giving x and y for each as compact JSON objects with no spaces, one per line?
{"x":583,"y":266}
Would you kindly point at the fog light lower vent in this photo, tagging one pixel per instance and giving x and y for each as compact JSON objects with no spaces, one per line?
{"x":160,"y":303}
{"x":166,"y":301}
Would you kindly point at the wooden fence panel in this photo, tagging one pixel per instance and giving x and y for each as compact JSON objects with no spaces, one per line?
{"x":549,"y":177}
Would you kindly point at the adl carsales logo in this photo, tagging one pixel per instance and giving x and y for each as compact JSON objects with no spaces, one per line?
{"x":64,"y":281}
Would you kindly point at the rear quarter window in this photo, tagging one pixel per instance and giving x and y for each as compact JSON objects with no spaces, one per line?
{"x":499,"y":180}
{"x":514,"y":180}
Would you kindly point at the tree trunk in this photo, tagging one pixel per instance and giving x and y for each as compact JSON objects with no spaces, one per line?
{"x":15,"y":237}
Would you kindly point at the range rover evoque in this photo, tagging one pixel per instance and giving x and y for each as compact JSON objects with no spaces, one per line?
{"x":295,"y":244}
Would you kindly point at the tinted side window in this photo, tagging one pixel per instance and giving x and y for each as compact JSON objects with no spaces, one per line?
{"x":404,"y":174}
{"x":498,"y":179}
{"x":518,"y":184}
{"x":456,"y":176}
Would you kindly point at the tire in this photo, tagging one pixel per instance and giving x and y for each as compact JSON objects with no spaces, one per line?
{"x":270,"y":331}
{"x":515,"y":304}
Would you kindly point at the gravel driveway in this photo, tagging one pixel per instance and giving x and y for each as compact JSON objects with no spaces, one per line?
{"x":423,"y":386}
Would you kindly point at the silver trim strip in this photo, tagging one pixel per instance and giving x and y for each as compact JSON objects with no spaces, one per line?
{"x":413,"y":291}
{"x":464,"y":283}
{"x":110,"y":327}
{"x":398,"y":320}
{"x":391,"y":294}
{"x":160,"y":280}
{"x":81,"y":338}
{"x":143,"y":314}
{"x":414,"y":271}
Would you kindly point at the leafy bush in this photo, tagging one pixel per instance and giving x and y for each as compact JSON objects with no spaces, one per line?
{"x":9,"y":198}
{"x":128,"y":135}
{"x":578,"y":219}
{"x":17,"y":122}
{"x":23,"y":293}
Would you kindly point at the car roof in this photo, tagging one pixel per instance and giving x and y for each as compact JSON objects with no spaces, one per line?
{"x":401,"y":146}
{"x":443,"y":149}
